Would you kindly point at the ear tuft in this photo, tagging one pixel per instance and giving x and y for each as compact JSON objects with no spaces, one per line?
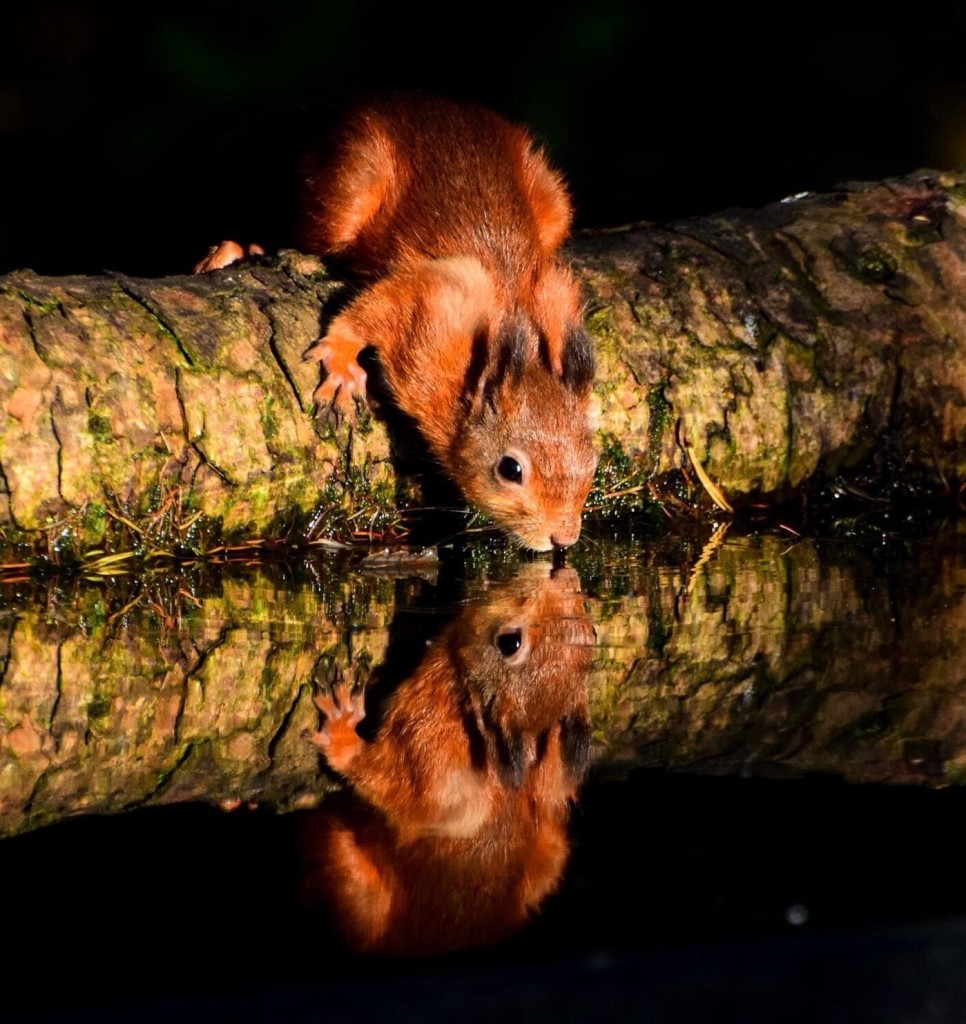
{"x":577,"y":360}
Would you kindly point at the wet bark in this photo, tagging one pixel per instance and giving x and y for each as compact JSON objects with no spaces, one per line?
{"x":810,"y":337}
{"x":746,"y":662}
{"x":162,"y":696}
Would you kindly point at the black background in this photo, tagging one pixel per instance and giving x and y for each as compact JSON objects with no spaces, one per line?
{"x":132,"y":137}
{"x":677,"y":907}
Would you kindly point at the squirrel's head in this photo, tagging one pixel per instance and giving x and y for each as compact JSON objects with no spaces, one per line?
{"x":525,"y":453}
{"x":499,"y":380}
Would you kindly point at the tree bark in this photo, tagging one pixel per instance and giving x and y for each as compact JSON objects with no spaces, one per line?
{"x":822,"y":334}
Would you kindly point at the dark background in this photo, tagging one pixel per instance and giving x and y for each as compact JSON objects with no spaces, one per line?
{"x":132,"y":137}
{"x":675,"y":908}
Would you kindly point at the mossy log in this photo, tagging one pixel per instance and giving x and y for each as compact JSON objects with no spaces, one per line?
{"x":814,"y":335}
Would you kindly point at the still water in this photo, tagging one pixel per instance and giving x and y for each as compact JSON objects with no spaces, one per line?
{"x":716,"y":771}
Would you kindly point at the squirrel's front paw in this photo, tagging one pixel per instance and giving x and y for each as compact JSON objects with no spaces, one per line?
{"x":225,"y":254}
{"x":345,"y":379}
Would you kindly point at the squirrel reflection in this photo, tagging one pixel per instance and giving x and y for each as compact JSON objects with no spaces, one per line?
{"x":454,"y":829}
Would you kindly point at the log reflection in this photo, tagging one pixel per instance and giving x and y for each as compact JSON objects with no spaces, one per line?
{"x":453,"y":829}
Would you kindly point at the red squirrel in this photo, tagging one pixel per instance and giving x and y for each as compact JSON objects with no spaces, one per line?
{"x":455,"y":829}
{"x":452,"y":218}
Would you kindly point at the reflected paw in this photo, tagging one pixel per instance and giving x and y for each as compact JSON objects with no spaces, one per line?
{"x":337,"y":738}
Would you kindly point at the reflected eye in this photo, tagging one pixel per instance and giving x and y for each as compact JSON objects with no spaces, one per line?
{"x":509,"y":643}
{"x":510,"y":469}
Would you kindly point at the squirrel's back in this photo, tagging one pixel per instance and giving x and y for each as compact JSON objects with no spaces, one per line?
{"x":414,"y":177}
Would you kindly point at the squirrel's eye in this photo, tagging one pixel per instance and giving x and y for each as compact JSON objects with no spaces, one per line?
{"x":509,"y":643}
{"x":510,"y":469}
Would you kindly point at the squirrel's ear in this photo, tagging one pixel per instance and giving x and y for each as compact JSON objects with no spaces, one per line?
{"x":564,"y":346}
{"x":472,"y":393}
{"x":495,"y":359}
{"x":577,"y":359}
{"x":575,"y":735}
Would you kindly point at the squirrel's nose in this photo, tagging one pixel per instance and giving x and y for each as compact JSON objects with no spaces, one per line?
{"x":565,"y":536}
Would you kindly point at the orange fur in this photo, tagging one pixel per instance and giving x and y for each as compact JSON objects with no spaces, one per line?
{"x":456,"y":830}
{"x":455,"y":217}
{"x":225,"y":254}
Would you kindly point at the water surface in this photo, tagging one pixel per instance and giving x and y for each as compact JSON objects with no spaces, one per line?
{"x":659,"y":749}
